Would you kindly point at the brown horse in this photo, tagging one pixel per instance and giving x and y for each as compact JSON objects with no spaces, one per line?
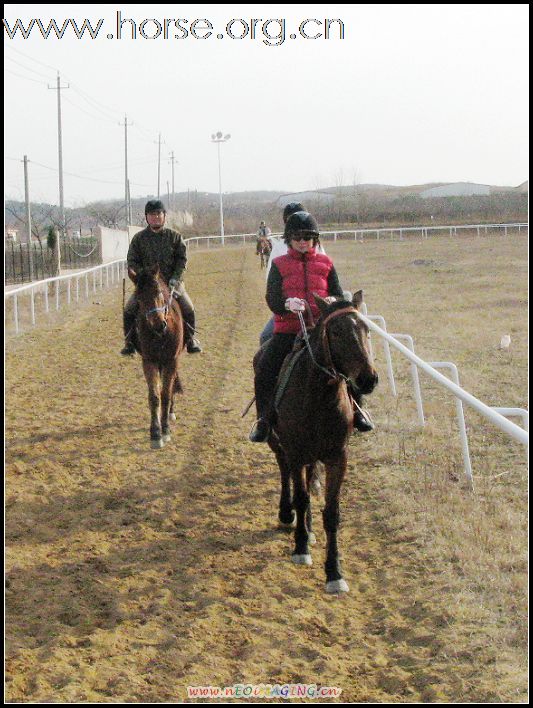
{"x":159,"y":340}
{"x":263,"y":249}
{"x":313,"y":423}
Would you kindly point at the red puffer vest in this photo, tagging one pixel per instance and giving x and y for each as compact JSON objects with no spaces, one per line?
{"x":303,"y":274}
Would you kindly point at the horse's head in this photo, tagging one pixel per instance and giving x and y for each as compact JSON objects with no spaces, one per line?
{"x":153,"y":298}
{"x":344,"y":339}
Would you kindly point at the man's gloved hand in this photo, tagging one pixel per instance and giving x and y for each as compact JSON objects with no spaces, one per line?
{"x":174,"y":283}
{"x":295,"y":304}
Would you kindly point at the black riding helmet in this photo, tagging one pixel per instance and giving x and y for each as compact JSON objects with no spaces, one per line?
{"x":300,"y":222}
{"x":290,"y":208}
{"x":154,"y":205}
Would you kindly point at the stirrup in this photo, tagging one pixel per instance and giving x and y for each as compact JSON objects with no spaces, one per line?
{"x":260,"y":431}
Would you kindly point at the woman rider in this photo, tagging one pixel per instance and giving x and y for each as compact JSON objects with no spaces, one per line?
{"x":292,"y":280}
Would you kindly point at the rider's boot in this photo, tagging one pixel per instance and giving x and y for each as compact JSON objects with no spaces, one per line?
{"x":128,"y":349}
{"x":362,"y":421}
{"x":361,"y":418}
{"x":261,"y":429}
{"x":191,"y":343}
{"x":129,"y":334}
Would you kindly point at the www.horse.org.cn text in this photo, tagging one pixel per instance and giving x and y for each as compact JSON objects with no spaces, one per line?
{"x":272,"y":32}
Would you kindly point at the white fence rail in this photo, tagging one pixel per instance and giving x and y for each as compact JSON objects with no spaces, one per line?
{"x":391,"y":233}
{"x":495,"y":415}
{"x":64,"y":289}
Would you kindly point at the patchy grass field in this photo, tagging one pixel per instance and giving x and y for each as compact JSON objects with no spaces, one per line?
{"x":133,"y":573}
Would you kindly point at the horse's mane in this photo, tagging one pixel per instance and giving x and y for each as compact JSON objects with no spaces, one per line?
{"x":147,"y":277}
{"x":339,"y":304}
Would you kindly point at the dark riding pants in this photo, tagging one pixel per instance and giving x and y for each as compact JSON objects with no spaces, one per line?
{"x":187,"y":309}
{"x":269,"y":367}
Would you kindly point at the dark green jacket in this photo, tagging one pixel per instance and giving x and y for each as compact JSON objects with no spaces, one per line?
{"x":166,"y":249}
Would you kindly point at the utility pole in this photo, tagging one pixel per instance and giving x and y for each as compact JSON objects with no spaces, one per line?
{"x":62,"y":229}
{"x":126,"y":181}
{"x":172,"y":161}
{"x":159,"y":168}
{"x":130,"y":219}
{"x":28,"y":214}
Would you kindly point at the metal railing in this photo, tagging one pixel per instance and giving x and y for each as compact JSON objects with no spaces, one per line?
{"x":495,"y":415}
{"x":63,"y":289}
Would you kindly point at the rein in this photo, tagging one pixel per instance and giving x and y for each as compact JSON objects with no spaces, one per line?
{"x":331,"y":372}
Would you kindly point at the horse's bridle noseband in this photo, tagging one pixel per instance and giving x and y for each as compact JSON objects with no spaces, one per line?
{"x":165,"y":308}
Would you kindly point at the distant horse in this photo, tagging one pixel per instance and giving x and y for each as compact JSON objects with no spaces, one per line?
{"x":263,"y":249}
{"x":313,"y":423}
{"x":159,"y":341}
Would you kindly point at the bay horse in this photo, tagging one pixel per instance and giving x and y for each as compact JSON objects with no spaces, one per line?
{"x":313,"y":423}
{"x":159,"y":340}
{"x":263,"y":249}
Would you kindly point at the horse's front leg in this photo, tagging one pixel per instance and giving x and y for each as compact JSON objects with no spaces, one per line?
{"x":151,"y":374}
{"x":286,"y":516}
{"x":335,"y":473}
{"x":301,"y":554}
{"x":168,"y":376}
{"x":310,"y":478}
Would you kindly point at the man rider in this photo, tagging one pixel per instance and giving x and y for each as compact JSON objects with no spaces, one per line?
{"x":158,"y":245}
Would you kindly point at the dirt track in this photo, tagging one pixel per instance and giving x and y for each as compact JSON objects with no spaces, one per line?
{"x":134,"y":573}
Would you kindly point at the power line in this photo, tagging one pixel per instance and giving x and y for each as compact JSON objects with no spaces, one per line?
{"x":9,"y":46}
{"x":35,"y":81}
{"x":72,"y":174}
{"x":28,"y":68}
{"x":102,"y":120}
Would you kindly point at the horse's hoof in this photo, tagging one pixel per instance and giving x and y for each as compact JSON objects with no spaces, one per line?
{"x":304,"y":559}
{"x":166,"y":437}
{"x":157,"y":444}
{"x":172,"y":417}
{"x":337,"y":586}
{"x":311,"y":540}
{"x":287,"y":527}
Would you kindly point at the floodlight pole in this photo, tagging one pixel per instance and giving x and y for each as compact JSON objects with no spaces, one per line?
{"x":217,"y":138}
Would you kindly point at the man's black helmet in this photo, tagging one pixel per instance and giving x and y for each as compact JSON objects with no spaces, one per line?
{"x":298,"y":223}
{"x":290,"y":208}
{"x":154,"y":205}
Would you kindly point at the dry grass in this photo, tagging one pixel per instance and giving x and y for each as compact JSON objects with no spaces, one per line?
{"x":133,"y":573}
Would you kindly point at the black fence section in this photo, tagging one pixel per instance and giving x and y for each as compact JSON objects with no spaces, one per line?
{"x":78,"y":253}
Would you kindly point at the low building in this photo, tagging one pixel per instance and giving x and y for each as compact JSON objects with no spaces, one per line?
{"x":306,"y":198}
{"x":457,"y":189}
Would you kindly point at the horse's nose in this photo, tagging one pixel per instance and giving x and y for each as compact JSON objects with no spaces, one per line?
{"x":367,"y":381}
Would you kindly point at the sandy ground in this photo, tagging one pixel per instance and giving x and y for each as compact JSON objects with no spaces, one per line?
{"x":135,"y":573}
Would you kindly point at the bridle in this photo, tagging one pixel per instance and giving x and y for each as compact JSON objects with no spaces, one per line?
{"x":165,"y":308}
{"x":330,"y":371}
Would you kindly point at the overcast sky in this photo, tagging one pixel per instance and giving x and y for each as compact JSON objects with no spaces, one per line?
{"x":411,"y":94}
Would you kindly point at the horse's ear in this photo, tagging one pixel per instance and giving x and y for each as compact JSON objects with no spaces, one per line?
{"x":321,"y":303}
{"x":132,"y":275}
{"x":154,"y":270}
{"x":357,"y":299}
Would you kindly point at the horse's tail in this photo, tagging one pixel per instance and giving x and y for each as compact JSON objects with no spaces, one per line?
{"x":178,"y":388}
